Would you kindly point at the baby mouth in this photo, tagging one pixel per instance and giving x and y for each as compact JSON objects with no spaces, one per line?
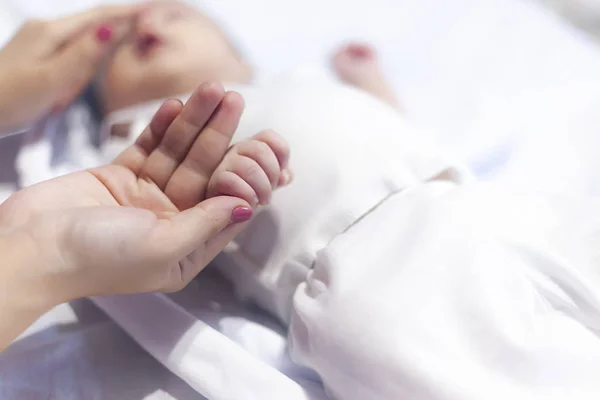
{"x":147,"y":43}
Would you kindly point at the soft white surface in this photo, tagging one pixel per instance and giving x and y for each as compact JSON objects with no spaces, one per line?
{"x":466,"y":292}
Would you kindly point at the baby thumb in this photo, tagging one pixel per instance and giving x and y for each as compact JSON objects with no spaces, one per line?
{"x":200,"y":225}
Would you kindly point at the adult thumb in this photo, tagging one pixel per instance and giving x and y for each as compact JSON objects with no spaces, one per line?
{"x":76,"y":64}
{"x":200,"y":225}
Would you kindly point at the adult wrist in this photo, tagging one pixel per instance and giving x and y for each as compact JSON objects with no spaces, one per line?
{"x":24,"y":295}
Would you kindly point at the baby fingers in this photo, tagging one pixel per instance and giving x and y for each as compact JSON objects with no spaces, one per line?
{"x":253,"y":168}
{"x":246,"y":173}
{"x":263,"y":155}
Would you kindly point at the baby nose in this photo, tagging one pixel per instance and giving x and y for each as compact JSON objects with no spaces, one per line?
{"x":148,"y":20}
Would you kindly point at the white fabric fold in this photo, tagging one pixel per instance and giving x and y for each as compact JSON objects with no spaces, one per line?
{"x":207,"y":360}
{"x":452,"y":292}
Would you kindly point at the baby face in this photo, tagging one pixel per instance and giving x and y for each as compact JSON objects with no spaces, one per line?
{"x":170,"y":50}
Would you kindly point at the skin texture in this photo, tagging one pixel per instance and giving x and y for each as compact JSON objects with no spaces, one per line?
{"x":168,"y":51}
{"x":150,"y":221}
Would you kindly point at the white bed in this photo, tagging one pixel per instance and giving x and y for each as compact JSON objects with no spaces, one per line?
{"x":477,"y":74}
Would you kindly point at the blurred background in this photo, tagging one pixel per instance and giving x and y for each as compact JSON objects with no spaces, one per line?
{"x":583,"y":13}
{"x":483,"y":77}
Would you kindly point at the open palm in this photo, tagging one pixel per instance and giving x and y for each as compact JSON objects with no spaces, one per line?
{"x":142,"y":223}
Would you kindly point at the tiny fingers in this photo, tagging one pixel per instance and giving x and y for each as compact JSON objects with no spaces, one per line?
{"x":278,"y":145}
{"x":228,"y":183}
{"x":287,"y":176}
{"x":249,"y":172}
{"x":253,"y":168}
{"x":272,"y":153}
{"x":261,"y":153}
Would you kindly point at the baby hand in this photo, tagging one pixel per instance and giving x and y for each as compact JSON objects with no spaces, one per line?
{"x":252,"y":169}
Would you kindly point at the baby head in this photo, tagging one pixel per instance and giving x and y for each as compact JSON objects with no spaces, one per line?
{"x":170,"y":50}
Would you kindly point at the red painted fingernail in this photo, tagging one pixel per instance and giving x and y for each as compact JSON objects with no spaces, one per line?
{"x":241,"y":214}
{"x":104,"y":33}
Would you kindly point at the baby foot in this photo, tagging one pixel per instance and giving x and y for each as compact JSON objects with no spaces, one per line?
{"x":357,"y":64}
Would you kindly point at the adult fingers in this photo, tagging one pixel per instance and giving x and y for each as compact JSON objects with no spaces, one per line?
{"x":193,"y":228}
{"x":217,"y":243}
{"x":187,"y":269}
{"x":182,"y":133}
{"x":189,"y":182}
{"x":73,"y":67}
{"x":136,"y":155}
{"x":65,"y":28}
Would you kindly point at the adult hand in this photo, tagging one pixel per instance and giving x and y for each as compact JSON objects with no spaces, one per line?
{"x":48,"y":63}
{"x":141,"y":223}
